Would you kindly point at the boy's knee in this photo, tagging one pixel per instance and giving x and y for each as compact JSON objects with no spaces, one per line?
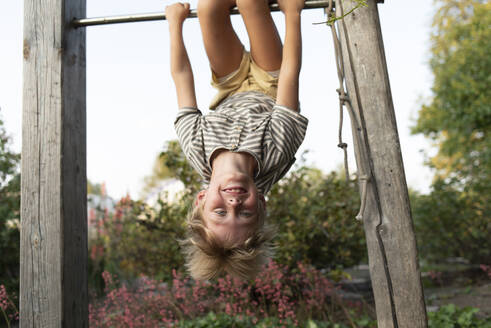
{"x":207,"y":7}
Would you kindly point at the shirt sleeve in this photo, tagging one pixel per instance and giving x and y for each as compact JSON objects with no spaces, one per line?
{"x":187,"y":126}
{"x":287,"y":128}
{"x":188,"y":129}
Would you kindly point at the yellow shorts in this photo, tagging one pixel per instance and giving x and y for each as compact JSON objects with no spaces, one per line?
{"x":248,"y":77}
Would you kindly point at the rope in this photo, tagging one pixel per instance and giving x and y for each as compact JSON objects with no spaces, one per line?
{"x":345,"y":101}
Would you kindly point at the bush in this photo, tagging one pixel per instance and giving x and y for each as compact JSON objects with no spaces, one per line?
{"x":222,"y":320}
{"x":279,"y":295}
{"x":9,"y":213}
{"x":10,"y":233}
{"x":212,"y":320}
{"x":452,"y":223}
{"x":450,"y":316}
{"x":136,"y":240}
{"x":315,"y":215}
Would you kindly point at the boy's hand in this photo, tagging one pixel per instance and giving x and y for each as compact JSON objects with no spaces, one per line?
{"x":177,"y":12}
{"x":291,"y":6}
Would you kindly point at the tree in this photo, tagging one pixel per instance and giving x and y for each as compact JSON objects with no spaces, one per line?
{"x":171,"y":163}
{"x":455,"y":219}
{"x":159,"y":173}
{"x":458,"y":118}
{"x":448,"y":225}
{"x":9,"y":212}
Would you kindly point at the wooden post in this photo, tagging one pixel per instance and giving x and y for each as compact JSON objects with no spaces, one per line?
{"x":53,"y":264}
{"x":391,"y":243}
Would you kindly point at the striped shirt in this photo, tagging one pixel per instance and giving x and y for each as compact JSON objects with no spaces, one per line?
{"x":247,"y":122}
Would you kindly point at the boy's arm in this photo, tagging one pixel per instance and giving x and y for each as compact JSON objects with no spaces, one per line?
{"x":292,"y":55}
{"x":181,"y":70}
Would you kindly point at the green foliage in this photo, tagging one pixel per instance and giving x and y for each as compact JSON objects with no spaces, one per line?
{"x":315,"y":215}
{"x":178,"y":167}
{"x":213,"y":320}
{"x":159,"y":172}
{"x":9,"y":213}
{"x":450,"y":224}
{"x":333,"y":18}
{"x":141,"y":239}
{"x":136,"y":240}
{"x":449,"y":316}
{"x":458,"y":118}
{"x":151,"y":245}
{"x":222,"y":320}
{"x":95,"y":188}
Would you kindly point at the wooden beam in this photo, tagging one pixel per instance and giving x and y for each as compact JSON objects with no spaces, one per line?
{"x":391,"y":243}
{"x":53,"y":269}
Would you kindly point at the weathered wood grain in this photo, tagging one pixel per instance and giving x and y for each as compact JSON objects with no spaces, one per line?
{"x":388,"y":224}
{"x":53,"y":203}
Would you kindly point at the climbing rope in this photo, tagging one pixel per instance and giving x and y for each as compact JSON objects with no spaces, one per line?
{"x":345,"y":101}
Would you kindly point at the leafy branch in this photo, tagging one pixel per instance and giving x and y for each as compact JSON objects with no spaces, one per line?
{"x":332,"y":18}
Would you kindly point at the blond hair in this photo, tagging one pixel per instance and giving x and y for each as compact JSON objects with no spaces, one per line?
{"x":208,"y":257}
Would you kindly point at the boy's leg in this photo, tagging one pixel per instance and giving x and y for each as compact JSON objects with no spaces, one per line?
{"x":223,"y":47}
{"x":266,"y":47}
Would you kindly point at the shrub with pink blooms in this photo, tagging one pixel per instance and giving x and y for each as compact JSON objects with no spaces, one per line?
{"x":9,"y":310}
{"x":135,"y":239}
{"x":278,"y":294}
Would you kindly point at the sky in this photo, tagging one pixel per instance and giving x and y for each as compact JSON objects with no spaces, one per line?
{"x":131,"y":102}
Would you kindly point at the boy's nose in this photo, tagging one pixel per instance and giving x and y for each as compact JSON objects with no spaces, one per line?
{"x":234,"y":201}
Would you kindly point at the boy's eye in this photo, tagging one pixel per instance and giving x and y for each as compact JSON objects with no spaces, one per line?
{"x":220,"y":212}
{"x":246,"y":214}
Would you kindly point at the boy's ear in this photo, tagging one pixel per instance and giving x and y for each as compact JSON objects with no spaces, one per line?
{"x":199,"y":197}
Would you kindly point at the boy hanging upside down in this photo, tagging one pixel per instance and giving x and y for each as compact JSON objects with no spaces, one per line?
{"x":249,"y":139}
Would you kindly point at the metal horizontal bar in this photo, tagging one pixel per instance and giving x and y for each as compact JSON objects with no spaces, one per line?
{"x":82,"y":22}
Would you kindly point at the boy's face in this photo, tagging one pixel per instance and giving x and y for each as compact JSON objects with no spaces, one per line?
{"x":230,"y":207}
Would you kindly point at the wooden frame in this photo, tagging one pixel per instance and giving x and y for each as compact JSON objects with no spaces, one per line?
{"x":53,"y":290}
